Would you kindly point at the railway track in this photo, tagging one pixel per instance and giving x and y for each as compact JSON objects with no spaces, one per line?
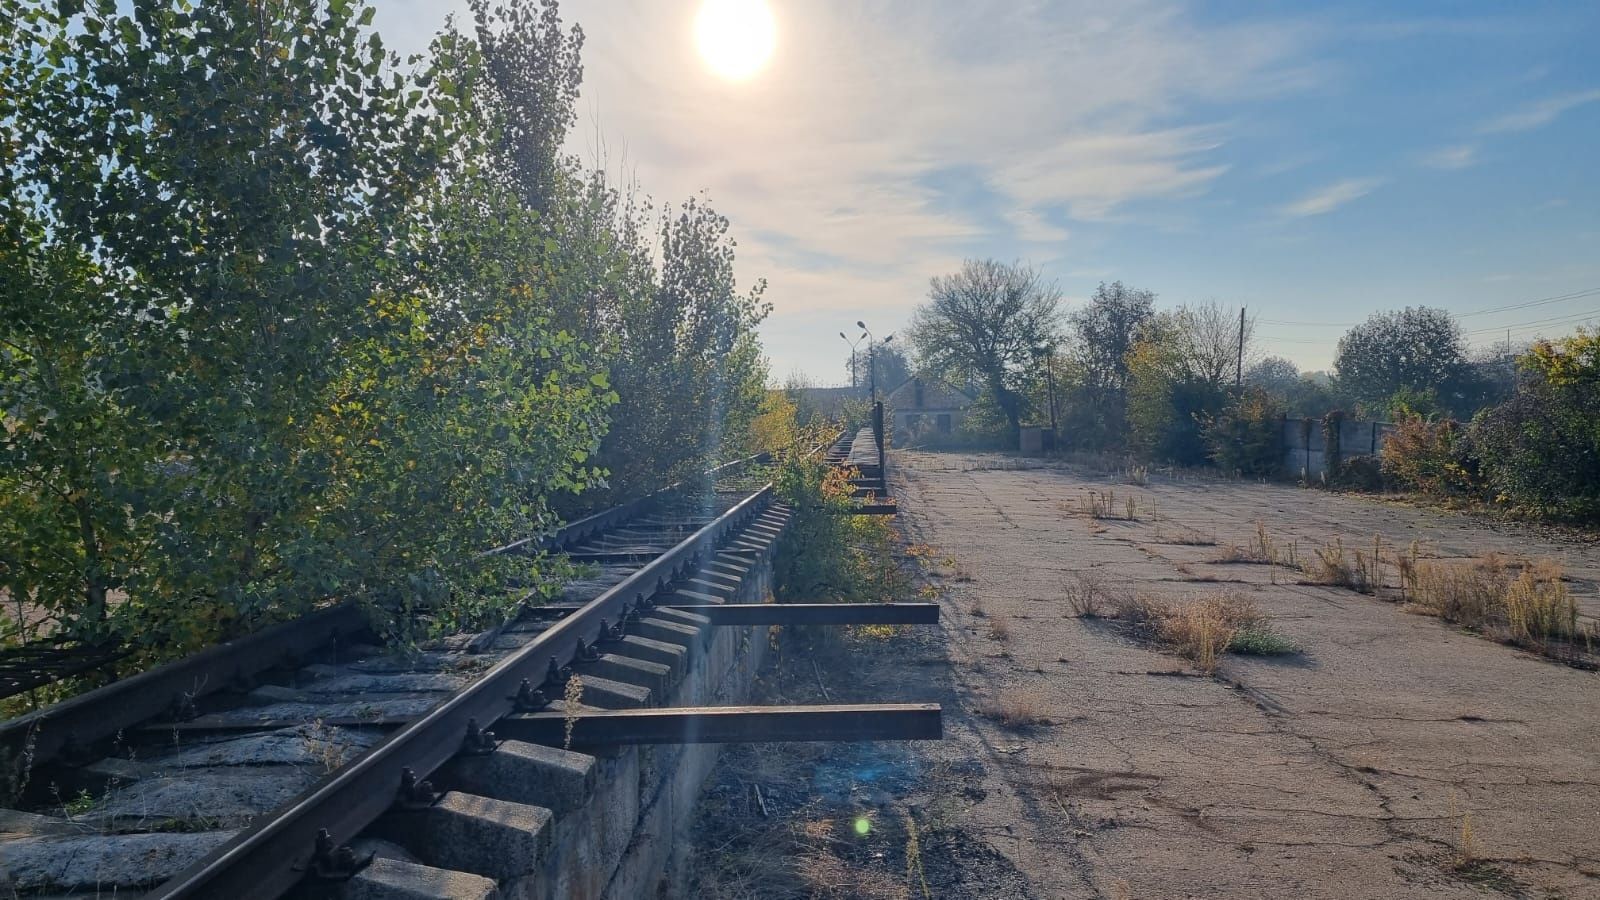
{"x":242,"y":771}
{"x":281,"y":763}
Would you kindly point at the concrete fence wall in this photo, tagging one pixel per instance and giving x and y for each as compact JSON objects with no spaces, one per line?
{"x":1305,"y":444}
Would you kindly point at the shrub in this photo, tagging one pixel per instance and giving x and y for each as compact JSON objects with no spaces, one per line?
{"x":1247,"y":436}
{"x":1540,"y":450}
{"x":826,"y":554}
{"x":1427,"y":456}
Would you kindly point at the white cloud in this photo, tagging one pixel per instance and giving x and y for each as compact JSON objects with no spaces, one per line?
{"x":1540,"y":114}
{"x":1329,"y":198}
{"x":1032,"y":226}
{"x":1463,"y":156}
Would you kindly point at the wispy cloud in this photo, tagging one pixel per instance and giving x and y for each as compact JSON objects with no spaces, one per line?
{"x":1329,"y":198}
{"x":1463,"y":156}
{"x":1541,"y":113}
{"x":1033,"y":226}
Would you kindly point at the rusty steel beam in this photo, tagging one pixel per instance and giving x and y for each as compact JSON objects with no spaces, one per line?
{"x":728,"y":724}
{"x":873,"y":509}
{"x":814,"y":613}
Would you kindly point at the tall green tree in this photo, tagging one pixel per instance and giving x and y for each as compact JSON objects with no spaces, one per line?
{"x":321,"y":401}
{"x":1416,"y":350}
{"x":1180,"y":377}
{"x":989,"y":319}
{"x":653,"y":292}
{"x":1104,"y":332}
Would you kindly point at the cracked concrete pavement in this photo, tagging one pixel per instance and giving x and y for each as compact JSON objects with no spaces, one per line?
{"x":1349,"y":770}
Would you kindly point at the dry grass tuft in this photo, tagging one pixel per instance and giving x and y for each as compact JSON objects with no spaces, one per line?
{"x":1530,"y":609}
{"x":1097,"y":505}
{"x":1015,"y":709}
{"x":1184,"y":536}
{"x":1204,"y":629}
{"x":1000,"y":629}
{"x":828,"y":875}
{"x":1232,"y":553}
{"x":1085,"y":596}
{"x":326,"y":746}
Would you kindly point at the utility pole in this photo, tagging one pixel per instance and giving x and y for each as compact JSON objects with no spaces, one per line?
{"x":1050,"y":379}
{"x":1238,"y":372}
{"x":872,"y":368}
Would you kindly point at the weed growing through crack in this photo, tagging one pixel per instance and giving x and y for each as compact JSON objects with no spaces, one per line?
{"x":1097,"y":505}
{"x":1016,"y":709}
{"x":915,"y":874}
{"x":1085,"y":596}
{"x":1204,"y":629}
{"x":571,"y":697}
{"x":1000,"y":629}
{"x":1256,"y":639}
{"x":1232,"y":553}
{"x":1530,"y":609}
{"x":78,"y":805}
{"x":1184,"y":536}
{"x":324,"y":745}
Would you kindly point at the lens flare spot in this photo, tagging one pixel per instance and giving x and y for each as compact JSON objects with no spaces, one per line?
{"x":863,"y":826}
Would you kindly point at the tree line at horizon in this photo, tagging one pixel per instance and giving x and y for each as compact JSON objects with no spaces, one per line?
{"x":1189,"y":385}
{"x":288,"y":319}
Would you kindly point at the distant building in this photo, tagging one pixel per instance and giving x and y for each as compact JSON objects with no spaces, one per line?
{"x":925,"y":411}
{"x":828,"y":402}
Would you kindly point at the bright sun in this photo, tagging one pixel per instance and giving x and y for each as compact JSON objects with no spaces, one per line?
{"x":735,"y":37}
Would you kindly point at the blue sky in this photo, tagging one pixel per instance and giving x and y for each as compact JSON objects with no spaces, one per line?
{"x":1314,"y":163}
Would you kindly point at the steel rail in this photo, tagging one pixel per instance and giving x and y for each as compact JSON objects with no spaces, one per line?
{"x":275,"y":852}
{"x":591,"y":525}
{"x":65,"y":728}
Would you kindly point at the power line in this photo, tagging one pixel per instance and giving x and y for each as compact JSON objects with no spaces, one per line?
{"x":1558,"y":298}
{"x":1554,"y":320}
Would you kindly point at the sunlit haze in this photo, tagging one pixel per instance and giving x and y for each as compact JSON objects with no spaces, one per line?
{"x":1313,"y":164}
{"x":735,"y":37}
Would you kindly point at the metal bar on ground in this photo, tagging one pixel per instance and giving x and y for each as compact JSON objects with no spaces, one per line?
{"x":729,"y":724}
{"x":814,"y":613}
{"x":874,"y":509}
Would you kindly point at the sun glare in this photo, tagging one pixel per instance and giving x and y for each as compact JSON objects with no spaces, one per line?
{"x":735,"y":37}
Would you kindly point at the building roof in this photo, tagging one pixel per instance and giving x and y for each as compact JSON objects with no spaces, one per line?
{"x":829,"y":401}
{"x":935,"y":394}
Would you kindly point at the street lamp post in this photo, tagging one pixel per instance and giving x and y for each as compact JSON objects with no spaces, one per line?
{"x":853,"y":344}
{"x":872,"y":357}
